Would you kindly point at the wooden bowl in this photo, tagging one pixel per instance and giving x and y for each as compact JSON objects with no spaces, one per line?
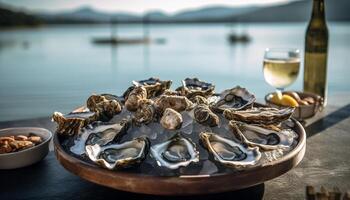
{"x":302,"y":111}
{"x":183,"y":185}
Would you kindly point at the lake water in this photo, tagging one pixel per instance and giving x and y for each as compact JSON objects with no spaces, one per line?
{"x":56,"y":68}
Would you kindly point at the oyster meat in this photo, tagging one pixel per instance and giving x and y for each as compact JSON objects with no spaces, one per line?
{"x":105,"y":106}
{"x":171,"y":119}
{"x":146,"y":112}
{"x":204,"y":115}
{"x":192,"y":87}
{"x":116,"y":156}
{"x":262,"y":136}
{"x":237,"y":98}
{"x":176,"y":152}
{"x":132,"y":100}
{"x":178,"y":103}
{"x":98,"y":133}
{"x":260,"y":115}
{"x":228,"y":152}
{"x":154,"y":86}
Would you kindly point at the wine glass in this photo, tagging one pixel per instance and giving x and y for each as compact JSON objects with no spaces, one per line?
{"x":281,"y":67}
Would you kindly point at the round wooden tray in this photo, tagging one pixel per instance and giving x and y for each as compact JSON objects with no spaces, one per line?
{"x":182,"y":185}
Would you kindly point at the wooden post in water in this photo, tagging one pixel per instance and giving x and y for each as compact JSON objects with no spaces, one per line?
{"x":145,"y":27}
{"x":114,"y":28}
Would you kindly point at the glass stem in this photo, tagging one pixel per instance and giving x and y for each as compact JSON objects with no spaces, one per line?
{"x":279,"y":92}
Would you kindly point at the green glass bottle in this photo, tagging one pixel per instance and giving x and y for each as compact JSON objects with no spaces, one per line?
{"x":316,"y":48}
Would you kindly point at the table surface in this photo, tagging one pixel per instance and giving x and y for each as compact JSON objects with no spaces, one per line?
{"x":326,"y":163}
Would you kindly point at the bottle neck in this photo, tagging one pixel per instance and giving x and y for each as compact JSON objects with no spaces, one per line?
{"x":318,"y":18}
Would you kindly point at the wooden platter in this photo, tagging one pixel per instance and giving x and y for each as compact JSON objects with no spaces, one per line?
{"x":182,"y":185}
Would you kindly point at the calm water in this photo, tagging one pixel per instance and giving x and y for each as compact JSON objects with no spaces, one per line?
{"x":57,"y":68}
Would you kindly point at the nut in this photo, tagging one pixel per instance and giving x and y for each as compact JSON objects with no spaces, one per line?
{"x":19,"y":142}
{"x":35,"y":139}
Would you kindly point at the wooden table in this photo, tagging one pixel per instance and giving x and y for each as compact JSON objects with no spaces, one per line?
{"x":326,"y":162}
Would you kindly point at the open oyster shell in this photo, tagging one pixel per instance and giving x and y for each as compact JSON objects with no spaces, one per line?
{"x":259,"y":115}
{"x":178,"y":103}
{"x":237,"y":98}
{"x":176,"y":152}
{"x":171,"y":119}
{"x":228,"y":152}
{"x":192,"y":87}
{"x":262,"y":136}
{"x":154,"y":86}
{"x":105,"y":106}
{"x":98,"y":133}
{"x":116,"y":156}
{"x":132,"y":100}
{"x":203,"y":115}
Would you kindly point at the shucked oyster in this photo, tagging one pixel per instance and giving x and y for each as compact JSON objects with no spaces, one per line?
{"x":98,"y":133}
{"x":229,"y":152}
{"x":154,"y":86}
{"x":204,"y":115}
{"x":176,"y":152}
{"x":171,"y":119}
{"x":259,"y":115}
{"x":105,"y":106}
{"x":116,"y":156}
{"x":132,"y":100}
{"x":235,"y":99}
{"x":261,"y":136}
{"x":146,"y":112}
{"x":192,"y":87}
{"x":178,"y":103}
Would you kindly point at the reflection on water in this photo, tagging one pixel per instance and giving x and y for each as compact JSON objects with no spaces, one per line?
{"x":59,"y":67}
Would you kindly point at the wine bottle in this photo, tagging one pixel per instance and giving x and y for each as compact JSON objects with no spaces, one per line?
{"x":316,"y":48}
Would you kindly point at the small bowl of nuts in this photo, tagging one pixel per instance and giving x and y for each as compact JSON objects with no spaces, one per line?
{"x":306,"y":104}
{"x":23,"y":146}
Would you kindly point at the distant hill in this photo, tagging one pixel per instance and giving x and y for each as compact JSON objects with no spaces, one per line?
{"x":336,"y":10}
{"x":10,"y":18}
{"x":295,"y":11}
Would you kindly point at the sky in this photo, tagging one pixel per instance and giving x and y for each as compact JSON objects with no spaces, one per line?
{"x":134,"y":6}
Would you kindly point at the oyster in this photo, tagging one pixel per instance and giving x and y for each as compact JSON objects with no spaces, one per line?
{"x":236,"y":99}
{"x":127,"y":92}
{"x":178,"y":103}
{"x":176,"y":152}
{"x":116,"y":156}
{"x":145,"y":113}
{"x":262,"y":137}
{"x":69,"y":125}
{"x":204,"y":115}
{"x":137,"y":94}
{"x":171,"y":119}
{"x":229,"y":152}
{"x":171,"y":92}
{"x":259,"y":115}
{"x":200,"y":100}
{"x":105,"y":106}
{"x":192,"y":87}
{"x":98,"y":133}
{"x":154,"y":86}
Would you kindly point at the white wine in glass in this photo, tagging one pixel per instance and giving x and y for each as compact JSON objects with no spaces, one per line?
{"x":281,"y":67}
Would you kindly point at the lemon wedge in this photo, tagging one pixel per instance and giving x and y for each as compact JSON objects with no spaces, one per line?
{"x":286,"y":100}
